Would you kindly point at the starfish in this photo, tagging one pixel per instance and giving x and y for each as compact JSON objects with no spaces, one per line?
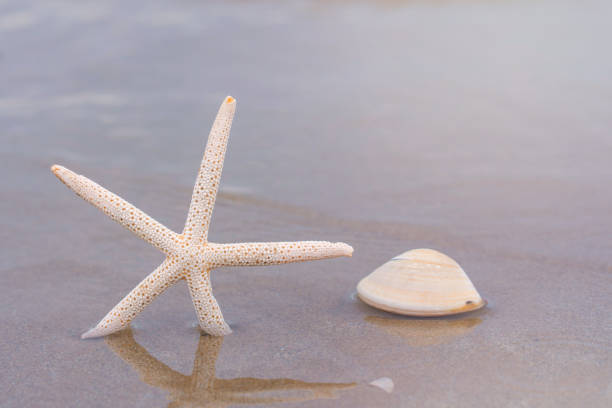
{"x":189,"y":255}
{"x":203,"y":389}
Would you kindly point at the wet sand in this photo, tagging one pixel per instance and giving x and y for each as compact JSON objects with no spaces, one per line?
{"x":480,"y":130}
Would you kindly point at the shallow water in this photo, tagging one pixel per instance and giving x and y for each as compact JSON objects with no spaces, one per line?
{"x":480,"y":129}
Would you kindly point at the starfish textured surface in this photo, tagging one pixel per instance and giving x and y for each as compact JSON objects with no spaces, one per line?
{"x":189,"y":255}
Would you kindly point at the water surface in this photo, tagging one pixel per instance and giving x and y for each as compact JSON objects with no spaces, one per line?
{"x":480,"y":129}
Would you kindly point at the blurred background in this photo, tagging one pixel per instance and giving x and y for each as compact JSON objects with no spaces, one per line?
{"x":478,"y":128}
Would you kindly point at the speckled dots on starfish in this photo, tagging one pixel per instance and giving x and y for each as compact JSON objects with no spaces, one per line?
{"x":189,"y":255}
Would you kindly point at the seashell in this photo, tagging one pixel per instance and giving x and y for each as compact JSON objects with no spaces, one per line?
{"x":420,"y":282}
{"x":384,"y":383}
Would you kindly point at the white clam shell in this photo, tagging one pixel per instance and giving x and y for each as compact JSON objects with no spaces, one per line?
{"x":420,"y":282}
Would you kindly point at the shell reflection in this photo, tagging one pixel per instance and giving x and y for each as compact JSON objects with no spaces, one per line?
{"x":425,"y":332}
{"x":203,"y":389}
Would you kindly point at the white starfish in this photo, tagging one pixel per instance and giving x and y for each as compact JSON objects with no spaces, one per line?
{"x":189,"y":255}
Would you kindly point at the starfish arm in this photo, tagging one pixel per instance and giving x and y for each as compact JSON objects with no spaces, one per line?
{"x":167,"y":273}
{"x":206,"y":306}
{"x":118,"y":209}
{"x":273,"y":253}
{"x":207,"y":183}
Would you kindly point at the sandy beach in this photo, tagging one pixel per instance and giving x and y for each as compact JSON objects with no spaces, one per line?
{"x":480,"y":129}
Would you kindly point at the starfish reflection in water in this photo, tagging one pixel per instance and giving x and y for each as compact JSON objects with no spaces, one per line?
{"x":203,"y":389}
